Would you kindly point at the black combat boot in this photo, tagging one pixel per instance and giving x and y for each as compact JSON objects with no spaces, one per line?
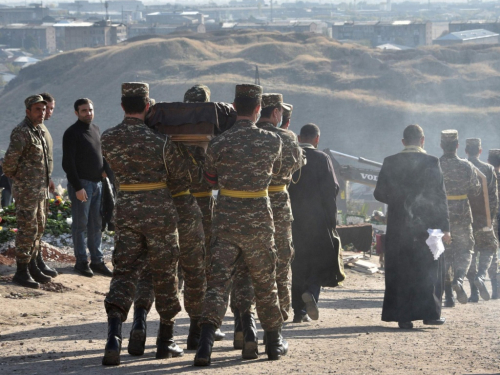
{"x":204,"y":351}
{"x":137,"y":341}
{"x":114,"y":343}
{"x":43,"y":267}
{"x":165,"y":344}
{"x":494,"y":289}
{"x":449,"y":301}
{"x":38,"y":275}
{"x":458,"y":287}
{"x":474,"y":292}
{"x":483,"y":292}
{"x":250,"y":340}
{"x":23,"y":277}
{"x":194,"y":335}
{"x":238,"y":331}
{"x":276,"y":346}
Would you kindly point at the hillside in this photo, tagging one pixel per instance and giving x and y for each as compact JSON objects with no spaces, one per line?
{"x":361,"y":98}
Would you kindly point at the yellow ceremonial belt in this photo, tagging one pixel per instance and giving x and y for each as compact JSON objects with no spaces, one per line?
{"x":456,"y":197}
{"x":185,"y":192}
{"x":143,"y":187}
{"x":276,"y":188}
{"x":202,"y":194}
{"x":243,"y":194}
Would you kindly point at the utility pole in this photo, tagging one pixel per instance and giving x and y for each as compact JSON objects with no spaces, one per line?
{"x":257,"y":77}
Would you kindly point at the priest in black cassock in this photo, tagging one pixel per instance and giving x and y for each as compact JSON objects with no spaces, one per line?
{"x":318,"y":258}
{"x":411,"y":184}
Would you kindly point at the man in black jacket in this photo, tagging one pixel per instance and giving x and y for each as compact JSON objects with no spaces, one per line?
{"x":85,"y":167}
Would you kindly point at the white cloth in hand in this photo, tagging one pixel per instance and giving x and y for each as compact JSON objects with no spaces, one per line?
{"x":435,"y":242}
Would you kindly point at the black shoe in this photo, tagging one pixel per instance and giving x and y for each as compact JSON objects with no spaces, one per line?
{"x":275,"y":345}
{"x":101,"y":269}
{"x":114,"y":343}
{"x":311,"y":306}
{"x":494,"y":289}
{"x":238,"y":331}
{"x":435,"y":322}
{"x":165,"y":344}
{"x":193,"y":338}
{"x":43,"y":267}
{"x":459,"y":289}
{"x":449,"y":301}
{"x":250,"y":340}
{"x":204,"y":352}
{"x":83,"y":269}
{"x":301,"y":318}
{"x":474,"y":293}
{"x":219,"y":335}
{"x":405,"y":325}
{"x":36,"y":274}
{"x":137,"y":341}
{"x":483,"y":292}
{"x":23,"y":277}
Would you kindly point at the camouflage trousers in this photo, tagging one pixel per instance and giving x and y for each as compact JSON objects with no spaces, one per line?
{"x":259,"y":255}
{"x":206,"y":205}
{"x":484,"y":250}
{"x":30,"y":217}
{"x":458,"y":254}
{"x":191,"y":260}
{"x":242,"y":293}
{"x":158,"y":249}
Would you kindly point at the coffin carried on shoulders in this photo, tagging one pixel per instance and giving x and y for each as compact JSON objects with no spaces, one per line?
{"x":191,"y":122}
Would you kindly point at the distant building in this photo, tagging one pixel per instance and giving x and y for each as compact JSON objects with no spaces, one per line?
{"x":298,"y":26}
{"x":479,"y":36}
{"x":492,"y":26}
{"x":87,"y":34}
{"x":42,"y":37}
{"x":393,"y":47}
{"x":10,"y":15}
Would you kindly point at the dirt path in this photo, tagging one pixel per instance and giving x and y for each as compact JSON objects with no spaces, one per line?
{"x":64,"y":333}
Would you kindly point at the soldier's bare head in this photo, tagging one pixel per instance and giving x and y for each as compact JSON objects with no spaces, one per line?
{"x":51,"y":104}
{"x":84,"y":110}
{"x":413,"y":135}
{"x":310,"y":133}
{"x":35,"y":109}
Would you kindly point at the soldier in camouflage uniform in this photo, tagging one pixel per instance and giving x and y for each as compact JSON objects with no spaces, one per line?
{"x":146,"y":220}
{"x":287,"y":115}
{"x":26,"y":163}
{"x":240,"y":163}
{"x":292,"y":158}
{"x":461,"y":181}
{"x":494,"y":160}
{"x":485,"y":238}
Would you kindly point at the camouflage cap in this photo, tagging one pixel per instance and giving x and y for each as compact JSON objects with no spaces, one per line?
{"x":473,"y":142}
{"x":248,"y":91}
{"x":494,"y":157}
{"x":135,"y":89}
{"x":271,"y":100}
{"x":287,"y":110}
{"x":33,"y":99}
{"x":197,"y":94}
{"x":449,"y":135}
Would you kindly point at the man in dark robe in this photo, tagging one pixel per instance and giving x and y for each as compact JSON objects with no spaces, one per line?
{"x":411,"y":184}
{"x":318,"y":259}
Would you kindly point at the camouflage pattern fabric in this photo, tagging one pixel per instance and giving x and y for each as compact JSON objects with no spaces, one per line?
{"x":197,"y":94}
{"x":291,"y":160}
{"x":135,"y":89}
{"x":460,"y":178}
{"x":49,"y":143}
{"x":26,"y":162}
{"x":272,"y":100}
{"x":242,"y":159}
{"x":486,"y":242}
{"x":146,"y":221}
{"x":248,"y":91}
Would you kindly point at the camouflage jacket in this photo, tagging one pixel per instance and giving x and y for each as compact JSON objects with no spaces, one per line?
{"x":460,"y":178}
{"x":292,"y":158}
{"x":197,"y":158}
{"x":50,"y":144}
{"x":491,"y":179}
{"x":26,"y":161}
{"x":243,"y":158}
{"x":138,"y":155}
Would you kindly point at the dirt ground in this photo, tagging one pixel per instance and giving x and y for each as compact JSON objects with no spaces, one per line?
{"x":62,"y":330}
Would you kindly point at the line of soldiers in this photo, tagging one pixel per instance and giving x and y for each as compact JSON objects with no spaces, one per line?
{"x":473,"y":250}
{"x":163,"y":214}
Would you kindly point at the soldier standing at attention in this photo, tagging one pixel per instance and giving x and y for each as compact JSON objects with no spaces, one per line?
{"x":494,"y":160}
{"x":485,"y":238}
{"x":26,"y":163}
{"x":460,"y":181}
{"x":292,"y":158}
{"x":287,"y":115}
{"x":240,"y":163}
{"x":145,"y":218}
